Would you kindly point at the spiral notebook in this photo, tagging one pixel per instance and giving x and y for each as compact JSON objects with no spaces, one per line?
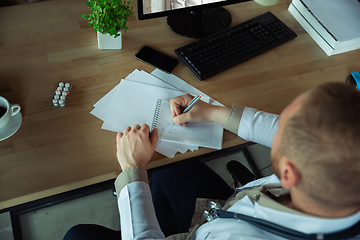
{"x":134,"y":100}
{"x":198,"y":134}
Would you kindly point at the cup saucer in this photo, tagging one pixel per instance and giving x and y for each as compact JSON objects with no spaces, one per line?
{"x":11,"y":127}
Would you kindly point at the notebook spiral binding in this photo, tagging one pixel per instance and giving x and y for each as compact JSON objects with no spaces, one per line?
{"x":156,"y":114}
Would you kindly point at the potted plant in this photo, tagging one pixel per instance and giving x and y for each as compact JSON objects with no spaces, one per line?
{"x":109,"y":18}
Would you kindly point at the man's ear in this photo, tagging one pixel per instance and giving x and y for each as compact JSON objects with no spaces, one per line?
{"x":290,"y":175}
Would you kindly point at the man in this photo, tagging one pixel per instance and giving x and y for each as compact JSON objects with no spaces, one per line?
{"x":315,"y":156}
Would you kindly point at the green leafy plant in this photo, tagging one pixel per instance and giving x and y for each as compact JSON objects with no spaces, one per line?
{"x":109,"y":16}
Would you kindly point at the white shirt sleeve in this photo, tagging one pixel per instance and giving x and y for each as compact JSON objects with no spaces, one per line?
{"x":258,"y":126}
{"x":137,"y":213}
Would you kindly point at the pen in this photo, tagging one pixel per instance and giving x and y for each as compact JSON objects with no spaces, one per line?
{"x":191,"y":105}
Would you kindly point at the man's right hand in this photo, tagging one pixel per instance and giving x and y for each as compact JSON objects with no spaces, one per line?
{"x":201,"y":112}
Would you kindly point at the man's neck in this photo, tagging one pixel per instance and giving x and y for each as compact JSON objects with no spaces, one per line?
{"x":305,"y":204}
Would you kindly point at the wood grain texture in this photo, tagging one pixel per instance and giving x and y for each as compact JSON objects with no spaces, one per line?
{"x":59,"y":149}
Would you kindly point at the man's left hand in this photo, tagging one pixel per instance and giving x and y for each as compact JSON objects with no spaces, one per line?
{"x":136,"y":146}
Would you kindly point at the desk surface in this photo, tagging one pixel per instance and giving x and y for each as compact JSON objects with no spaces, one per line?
{"x":60,"y":149}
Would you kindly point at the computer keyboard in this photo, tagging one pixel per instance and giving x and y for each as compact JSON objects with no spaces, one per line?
{"x":223,"y":50}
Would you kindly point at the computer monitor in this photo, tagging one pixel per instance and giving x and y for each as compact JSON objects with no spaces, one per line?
{"x":190,"y":18}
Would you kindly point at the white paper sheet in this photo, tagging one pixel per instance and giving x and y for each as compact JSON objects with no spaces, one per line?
{"x":101,"y":107}
{"x":178,"y":83}
{"x":165,"y":150}
{"x":115,"y":107}
{"x":204,"y":134}
{"x":147,"y":78}
{"x":134,"y":103}
{"x":183,"y":148}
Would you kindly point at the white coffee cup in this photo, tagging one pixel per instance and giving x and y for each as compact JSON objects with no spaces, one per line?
{"x":10,"y":110}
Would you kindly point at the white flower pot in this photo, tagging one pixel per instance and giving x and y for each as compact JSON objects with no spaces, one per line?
{"x":105,"y":41}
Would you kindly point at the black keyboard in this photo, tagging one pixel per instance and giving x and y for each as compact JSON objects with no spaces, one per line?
{"x":223,"y":50}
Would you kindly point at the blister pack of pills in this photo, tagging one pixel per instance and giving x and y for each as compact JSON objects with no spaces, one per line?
{"x":61,"y":94}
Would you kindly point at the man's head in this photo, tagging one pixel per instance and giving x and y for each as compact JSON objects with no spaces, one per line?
{"x":319,"y":135}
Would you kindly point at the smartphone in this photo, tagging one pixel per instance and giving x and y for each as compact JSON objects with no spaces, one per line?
{"x":157,"y":59}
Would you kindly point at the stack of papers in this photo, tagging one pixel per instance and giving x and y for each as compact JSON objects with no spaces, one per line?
{"x":333,"y":24}
{"x":138,"y":99}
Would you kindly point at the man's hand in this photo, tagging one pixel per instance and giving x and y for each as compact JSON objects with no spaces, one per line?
{"x":136,"y":146}
{"x":201,"y":112}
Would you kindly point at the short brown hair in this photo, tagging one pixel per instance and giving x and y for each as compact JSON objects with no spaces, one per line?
{"x":323,"y":141}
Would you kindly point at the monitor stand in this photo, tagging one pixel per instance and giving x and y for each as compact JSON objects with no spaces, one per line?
{"x":201,"y":23}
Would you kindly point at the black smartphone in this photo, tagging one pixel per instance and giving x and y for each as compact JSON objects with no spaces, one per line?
{"x":157,"y":59}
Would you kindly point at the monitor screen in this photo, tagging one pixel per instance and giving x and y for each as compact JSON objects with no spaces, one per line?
{"x":191,"y":18}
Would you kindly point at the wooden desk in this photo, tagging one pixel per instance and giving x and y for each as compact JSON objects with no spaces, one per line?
{"x":60,"y":149}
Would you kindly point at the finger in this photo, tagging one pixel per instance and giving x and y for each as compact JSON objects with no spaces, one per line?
{"x":178,"y":110}
{"x":182,"y":119}
{"x":136,"y":127}
{"x":175,"y":111}
{"x":173,"y":107}
{"x":154,"y":137}
{"x":119,"y":135}
{"x":145,"y":128}
{"x":127,"y":129}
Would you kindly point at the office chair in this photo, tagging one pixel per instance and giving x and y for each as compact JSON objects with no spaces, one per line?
{"x":240,"y":173}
